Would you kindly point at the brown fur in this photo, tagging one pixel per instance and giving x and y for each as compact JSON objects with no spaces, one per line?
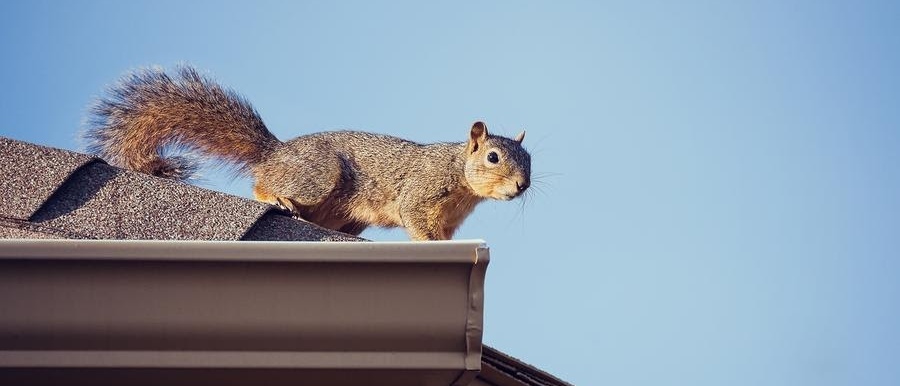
{"x":343,"y":180}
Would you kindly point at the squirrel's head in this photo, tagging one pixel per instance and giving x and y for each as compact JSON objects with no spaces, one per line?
{"x":496,"y":167}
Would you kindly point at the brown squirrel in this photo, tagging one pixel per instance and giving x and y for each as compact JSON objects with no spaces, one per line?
{"x":342,"y":180}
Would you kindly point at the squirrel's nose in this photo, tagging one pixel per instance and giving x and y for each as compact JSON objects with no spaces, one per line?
{"x":521,"y":186}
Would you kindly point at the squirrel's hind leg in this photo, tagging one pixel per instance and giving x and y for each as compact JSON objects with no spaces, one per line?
{"x":304,"y":175}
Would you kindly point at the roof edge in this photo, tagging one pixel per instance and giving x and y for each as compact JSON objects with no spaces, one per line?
{"x":503,"y":369}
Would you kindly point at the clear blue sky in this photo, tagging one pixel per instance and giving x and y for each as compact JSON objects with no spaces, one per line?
{"x":719,"y":194}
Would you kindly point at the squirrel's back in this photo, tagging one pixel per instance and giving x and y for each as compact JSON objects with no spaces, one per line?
{"x":148,"y":111}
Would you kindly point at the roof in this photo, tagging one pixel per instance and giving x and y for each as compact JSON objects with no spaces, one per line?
{"x":58,"y":194}
{"x":52,"y":194}
{"x":499,"y":369}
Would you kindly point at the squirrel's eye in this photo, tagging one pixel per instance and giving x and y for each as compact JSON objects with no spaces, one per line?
{"x":493,"y":157}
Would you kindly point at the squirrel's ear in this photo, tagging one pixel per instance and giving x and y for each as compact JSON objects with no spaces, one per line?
{"x":477,"y":136}
{"x":520,"y":137}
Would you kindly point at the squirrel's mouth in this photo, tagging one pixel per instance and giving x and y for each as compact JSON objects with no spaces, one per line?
{"x":509,"y":194}
{"x":506,"y":196}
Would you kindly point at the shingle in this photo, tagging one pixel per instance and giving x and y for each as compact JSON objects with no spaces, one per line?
{"x":274,"y":227}
{"x":100,"y":201}
{"x":96,"y":201}
{"x":15,"y":229}
{"x":30,"y":174}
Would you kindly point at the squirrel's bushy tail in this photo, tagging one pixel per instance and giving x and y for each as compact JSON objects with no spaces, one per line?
{"x":148,"y":111}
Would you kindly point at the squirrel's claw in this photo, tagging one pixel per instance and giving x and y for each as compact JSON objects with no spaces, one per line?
{"x":286,"y":204}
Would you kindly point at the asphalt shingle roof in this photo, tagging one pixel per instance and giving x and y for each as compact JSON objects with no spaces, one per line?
{"x":53,"y":193}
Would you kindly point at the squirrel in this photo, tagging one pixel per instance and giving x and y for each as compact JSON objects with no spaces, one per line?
{"x":341,"y":180}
